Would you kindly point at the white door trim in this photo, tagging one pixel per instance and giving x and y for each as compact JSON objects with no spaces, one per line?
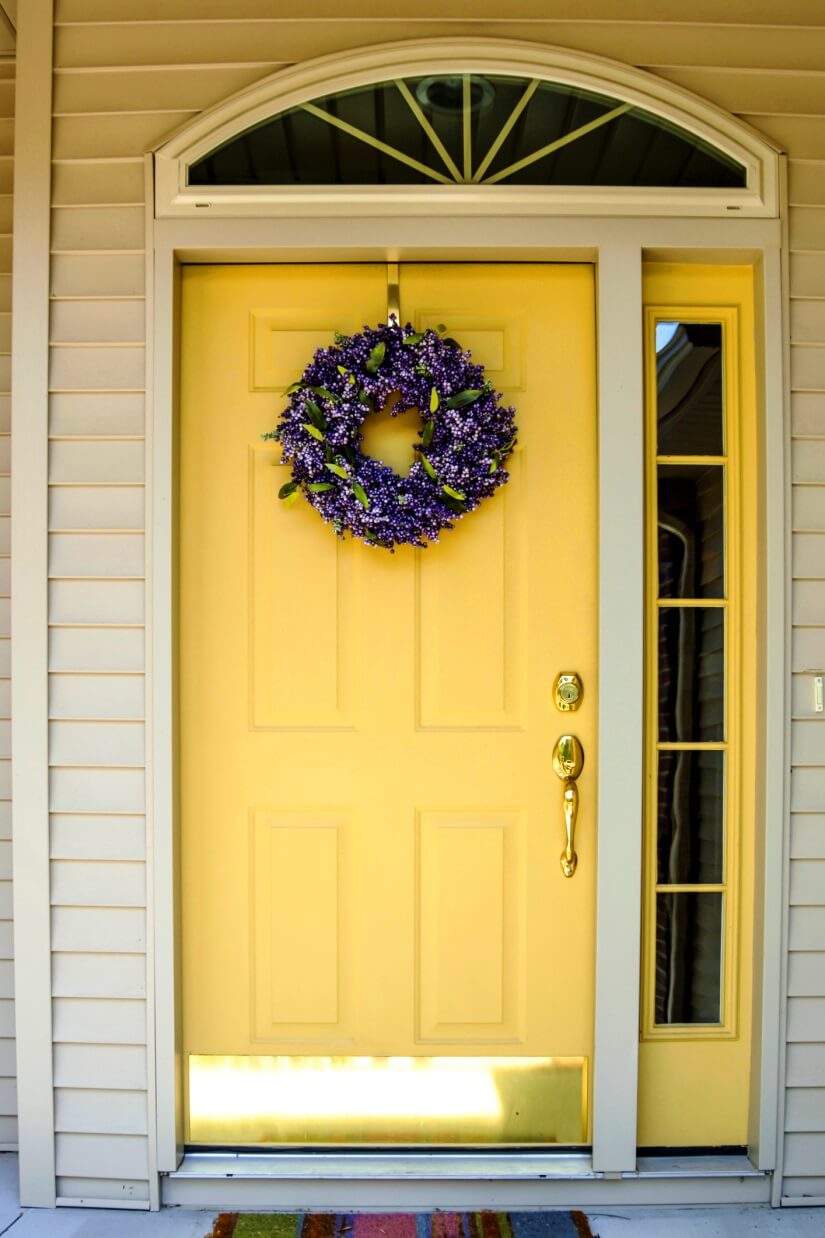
{"x":618,"y":247}
{"x":303,"y":82}
{"x":30,"y":606}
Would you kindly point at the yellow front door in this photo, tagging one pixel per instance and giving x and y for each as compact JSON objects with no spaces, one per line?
{"x":379,"y":943}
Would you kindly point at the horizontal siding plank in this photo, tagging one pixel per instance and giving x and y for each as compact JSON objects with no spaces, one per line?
{"x":99,"y":975}
{"x":96,"y":649}
{"x":94,"y":696}
{"x":808,"y":654}
{"x":98,"y":837}
{"x":111,"y":137}
{"x":97,"y":554}
{"x":807,"y":924}
{"x":807,"y":228}
{"x":97,"y":929}
{"x":806,"y":975}
{"x":98,"y":227}
{"x":795,"y":91}
{"x":735,"y":12}
{"x":100,"y":1112}
{"x":83,"y":1020}
{"x":6,"y":972}
{"x":269,"y":43}
{"x":808,"y":371}
{"x":96,"y":369}
{"x":809,"y":601}
{"x":806,"y":1066}
{"x":808,"y":742}
{"x":8,"y":1065}
{"x":97,"y":790}
{"x":99,"y":184}
{"x":808,"y":407}
{"x":806,"y":1019}
{"x":805,"y":1154}
{"x":79,"y":883}
{"x":803,"y":1189}
{"x":96,"y":601}
{"x":98,"y":322}
{"x":803,"y":136}
{"x":803,"y":698}
{"x":809,"y":507}
{"x":97,"y":743}
{"x":807,"y":790}
{"x":8,"y":1097}
{"x":108,"y":414}
{"x":808,"y":836}
{"x":99,"y":1192}
{"x":104,"y":1156}
{"x":75,"y":508}
{"x":98,"y":275}
{"x":807,"y":275}
{"x":181,"y":88}
{"x":808,"y":321}
{"x":808,"y":882}
{"x":100,"y":1066}
{"x":805,"y":1109}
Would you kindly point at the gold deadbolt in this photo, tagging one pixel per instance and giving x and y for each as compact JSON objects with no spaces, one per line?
{"x":567,"y":691}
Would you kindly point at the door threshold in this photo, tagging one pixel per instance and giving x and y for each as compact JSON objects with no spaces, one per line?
{"x":397,"y":1166}
{"x":421,"y":1181}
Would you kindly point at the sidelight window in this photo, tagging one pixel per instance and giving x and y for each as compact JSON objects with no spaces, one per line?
{"x":691,"y":560}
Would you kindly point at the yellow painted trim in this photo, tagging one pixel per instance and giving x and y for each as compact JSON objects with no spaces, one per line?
{"x":363,"y":136}
{"x":728,"y":317}
{"x":415,"y":108}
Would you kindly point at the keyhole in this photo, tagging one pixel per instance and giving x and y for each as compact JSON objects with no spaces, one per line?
{"x":389,"y":438}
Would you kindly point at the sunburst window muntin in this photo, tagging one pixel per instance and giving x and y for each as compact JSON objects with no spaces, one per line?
{"x":468,"y":129}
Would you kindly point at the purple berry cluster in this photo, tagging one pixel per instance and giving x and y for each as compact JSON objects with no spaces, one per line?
{"x":465,"y":437}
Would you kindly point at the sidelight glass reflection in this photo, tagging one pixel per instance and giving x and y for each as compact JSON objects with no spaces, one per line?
{"x":691,"y":530}
{"x":691,"y":674}
{"x":689,"y":958}
{"x":690,"y":817}
{"x":689,"y":389}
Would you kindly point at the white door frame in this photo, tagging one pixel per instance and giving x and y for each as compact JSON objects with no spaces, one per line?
{"x":618,"y":247}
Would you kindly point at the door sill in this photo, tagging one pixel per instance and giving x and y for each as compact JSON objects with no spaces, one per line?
{"x":417,"y":1180}
{"x":369,"y":1165}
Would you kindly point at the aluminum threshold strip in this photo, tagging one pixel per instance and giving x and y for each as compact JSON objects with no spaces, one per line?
{"x":394,"y":1166}
{"x":520,"y":1166}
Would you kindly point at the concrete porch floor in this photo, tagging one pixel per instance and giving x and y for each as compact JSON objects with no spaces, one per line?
{"x":727,"y":1222}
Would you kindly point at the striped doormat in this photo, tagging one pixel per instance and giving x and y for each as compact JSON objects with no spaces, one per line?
{"x":402,"y":1225}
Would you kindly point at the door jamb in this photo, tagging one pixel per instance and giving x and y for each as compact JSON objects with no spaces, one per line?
{"x":618,"y":247}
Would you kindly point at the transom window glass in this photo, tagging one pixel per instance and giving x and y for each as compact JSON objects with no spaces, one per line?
{"x":468,"y":129}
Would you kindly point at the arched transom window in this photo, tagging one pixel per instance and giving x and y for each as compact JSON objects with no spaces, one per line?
{"x":468,"y":129}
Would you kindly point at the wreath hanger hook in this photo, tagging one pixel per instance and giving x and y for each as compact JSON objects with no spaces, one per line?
{"x":393,"y":294}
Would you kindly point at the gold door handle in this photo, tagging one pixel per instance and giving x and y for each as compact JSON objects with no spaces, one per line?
{"x":568,"y":762}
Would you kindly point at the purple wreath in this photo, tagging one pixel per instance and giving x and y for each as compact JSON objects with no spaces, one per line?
{"x":465,"y":436}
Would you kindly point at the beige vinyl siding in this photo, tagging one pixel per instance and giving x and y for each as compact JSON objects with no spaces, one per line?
{"x":805,"y":1110}
{"x":127,"y":74}
{"x":8,"y":1097}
